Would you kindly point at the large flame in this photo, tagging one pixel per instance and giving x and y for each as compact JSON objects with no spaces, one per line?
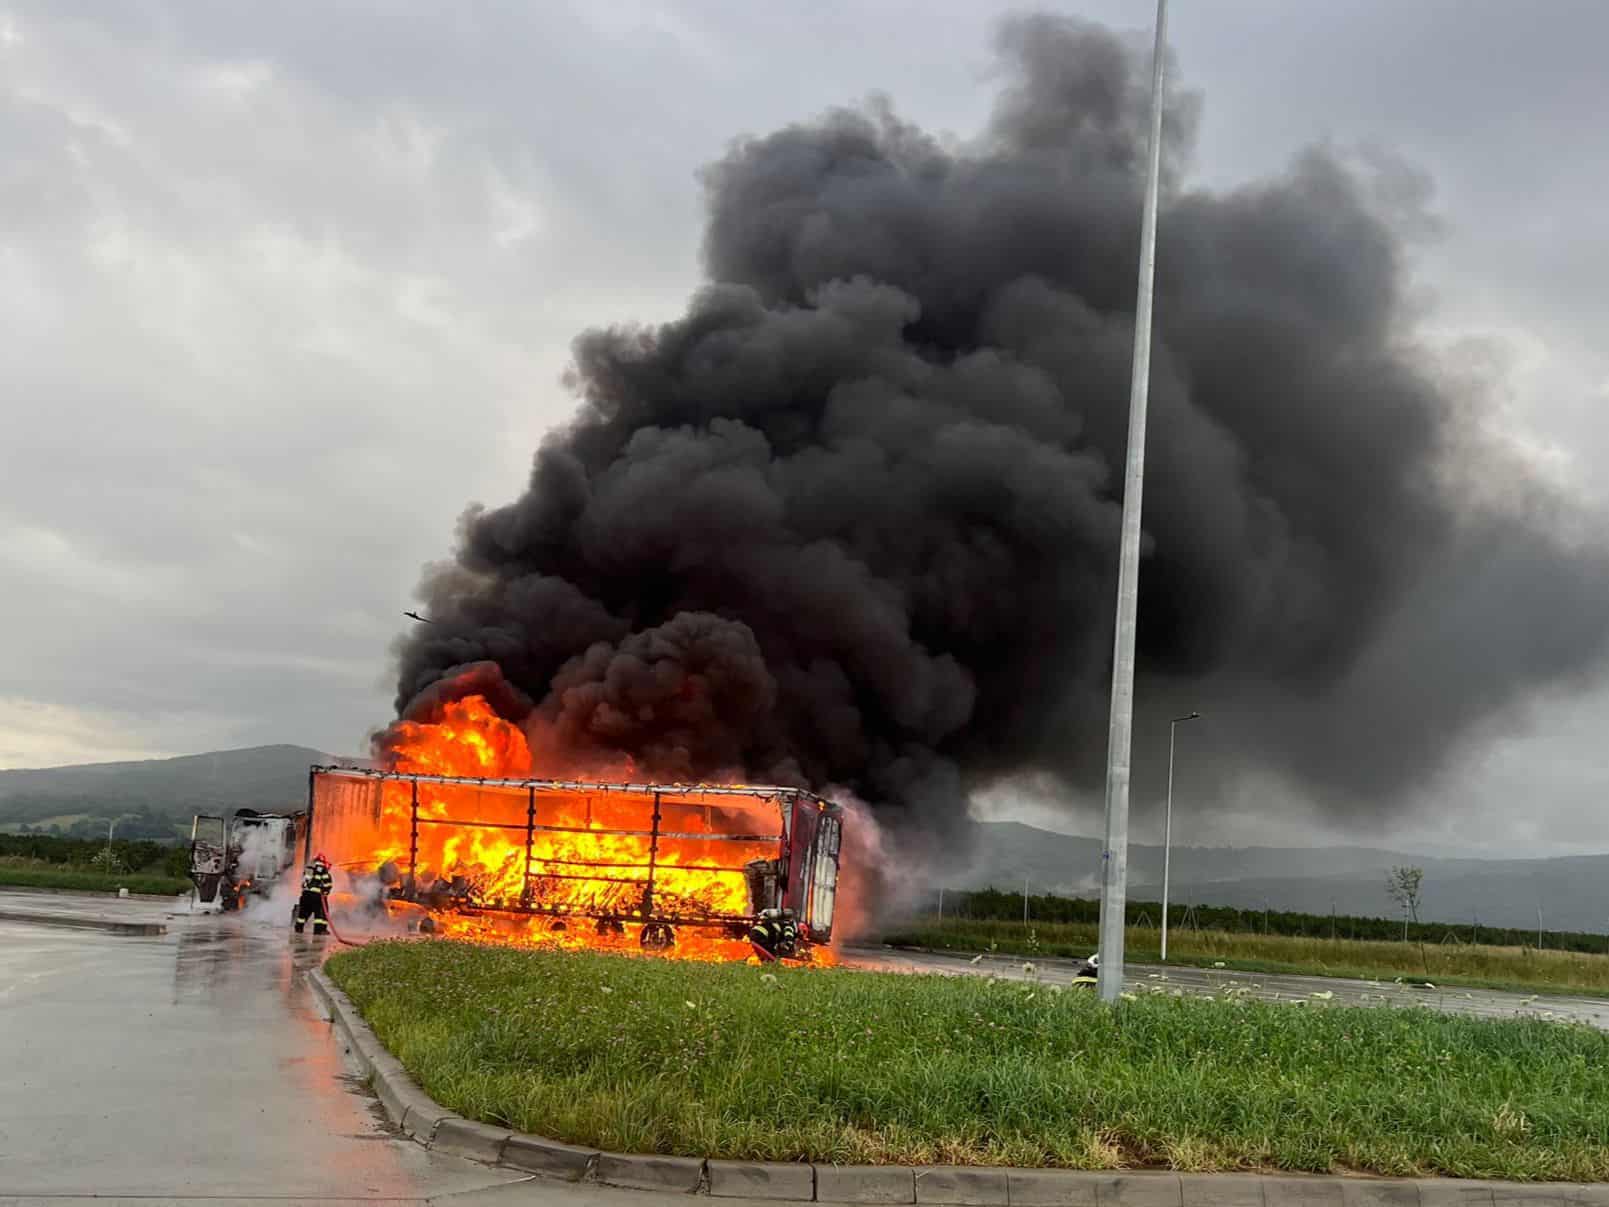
{"x":588,"y":869}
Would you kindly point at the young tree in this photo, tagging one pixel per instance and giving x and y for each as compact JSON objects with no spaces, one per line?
{"x":1402,"y":886}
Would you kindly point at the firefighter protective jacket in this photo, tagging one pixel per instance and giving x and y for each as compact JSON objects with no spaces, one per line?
{"x":317,"y":879}
{"x":775,"y":933}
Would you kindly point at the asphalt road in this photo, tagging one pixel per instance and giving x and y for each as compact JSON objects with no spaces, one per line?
{"x":194,"y":1067}
{"x":1214,"y":982}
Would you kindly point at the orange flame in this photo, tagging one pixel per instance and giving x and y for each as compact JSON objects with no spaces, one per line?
{"x":587,"y":863}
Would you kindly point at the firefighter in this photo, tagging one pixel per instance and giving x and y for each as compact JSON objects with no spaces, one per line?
{"x":316,"y":885}
{"x":775,"y":936}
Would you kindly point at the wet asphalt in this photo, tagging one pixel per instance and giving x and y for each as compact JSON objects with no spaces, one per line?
{"x":194,"y":1066}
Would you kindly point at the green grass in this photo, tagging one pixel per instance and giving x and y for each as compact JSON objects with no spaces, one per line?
{"x":1521,"y":968}
{"x":833,"y":1065}
{"x":25,"y":874}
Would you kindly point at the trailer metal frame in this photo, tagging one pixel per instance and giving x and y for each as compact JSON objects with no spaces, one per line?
{"x":796,"y":867}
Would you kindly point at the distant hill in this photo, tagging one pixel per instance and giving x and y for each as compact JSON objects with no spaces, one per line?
{"x":1573,"y":892}
{"x":260,"y":777}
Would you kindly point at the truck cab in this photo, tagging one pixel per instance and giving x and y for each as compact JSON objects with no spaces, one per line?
{"x":245,"y":855}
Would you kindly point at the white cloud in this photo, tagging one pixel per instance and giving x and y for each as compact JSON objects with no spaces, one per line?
{"x":35,"y":733}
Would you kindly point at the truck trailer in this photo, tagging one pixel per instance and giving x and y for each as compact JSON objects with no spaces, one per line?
{"x":660,"y":861}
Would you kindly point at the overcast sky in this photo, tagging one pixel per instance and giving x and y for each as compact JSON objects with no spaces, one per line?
{"x":285,"y":287}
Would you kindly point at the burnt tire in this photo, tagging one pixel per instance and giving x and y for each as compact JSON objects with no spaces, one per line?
{"x":657,"y":936}
{"x":610,"y":926}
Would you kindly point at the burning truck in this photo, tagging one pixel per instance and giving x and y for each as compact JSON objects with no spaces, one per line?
{"x":682,"y":869}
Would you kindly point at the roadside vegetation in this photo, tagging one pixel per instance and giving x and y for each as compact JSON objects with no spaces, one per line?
{"x":37,"y":861}
{"x":996,"y":906}
{"x":654,"y":1055}
{"x":1521,"y":968}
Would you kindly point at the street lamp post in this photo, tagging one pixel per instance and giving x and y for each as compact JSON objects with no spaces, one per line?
{"x":1167,"y":829}
{"x":1120,"y":728}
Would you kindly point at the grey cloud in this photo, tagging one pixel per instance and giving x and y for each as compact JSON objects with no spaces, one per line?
{"x":266,"y":336}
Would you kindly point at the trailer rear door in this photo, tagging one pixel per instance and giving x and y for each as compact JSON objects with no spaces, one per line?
{"x":814,"y":841}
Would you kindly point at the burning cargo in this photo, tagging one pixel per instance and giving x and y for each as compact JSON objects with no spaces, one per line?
{"x":671,"y":867}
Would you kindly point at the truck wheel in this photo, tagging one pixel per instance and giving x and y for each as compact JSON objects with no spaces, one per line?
{"x":610,"y":926}
{"x":657,"y":936}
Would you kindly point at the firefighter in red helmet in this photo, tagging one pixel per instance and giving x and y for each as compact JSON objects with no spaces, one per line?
{"x":316,"y":885}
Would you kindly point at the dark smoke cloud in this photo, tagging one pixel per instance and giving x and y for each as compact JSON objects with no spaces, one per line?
{"x":853,"y":520}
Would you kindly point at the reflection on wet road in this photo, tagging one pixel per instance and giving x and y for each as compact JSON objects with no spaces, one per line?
{"x":1215,"y":982}
{"x":190,"y":1064}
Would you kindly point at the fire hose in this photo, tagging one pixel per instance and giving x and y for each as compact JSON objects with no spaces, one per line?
{"x":329,"y":920}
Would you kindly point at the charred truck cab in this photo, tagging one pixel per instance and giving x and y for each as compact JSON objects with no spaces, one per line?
{"x":246,"y":854}
{"x":668,"y":861}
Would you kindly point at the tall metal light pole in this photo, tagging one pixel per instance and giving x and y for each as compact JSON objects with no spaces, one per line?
{"x":1120,"y":732}
{"x":1167,"y":830}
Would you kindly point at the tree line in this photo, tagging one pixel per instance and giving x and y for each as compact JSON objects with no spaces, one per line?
{"x":1003,"y":905}
{"x":133,"y":855}
{"x":141,"y":822}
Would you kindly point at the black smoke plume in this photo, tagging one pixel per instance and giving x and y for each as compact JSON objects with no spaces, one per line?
{"x":853,"y":520}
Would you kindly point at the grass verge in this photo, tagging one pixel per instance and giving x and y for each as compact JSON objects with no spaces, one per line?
{"x":89,"y":880}
{"x":831,"y":1065}
{"x":1519,"y":968}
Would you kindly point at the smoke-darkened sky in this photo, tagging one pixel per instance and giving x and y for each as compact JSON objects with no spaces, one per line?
{"x":286,"y":291}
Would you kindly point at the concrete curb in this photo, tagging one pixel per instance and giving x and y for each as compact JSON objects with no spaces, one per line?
{"x":431,"y":1124}
{"x":110,"y":925}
